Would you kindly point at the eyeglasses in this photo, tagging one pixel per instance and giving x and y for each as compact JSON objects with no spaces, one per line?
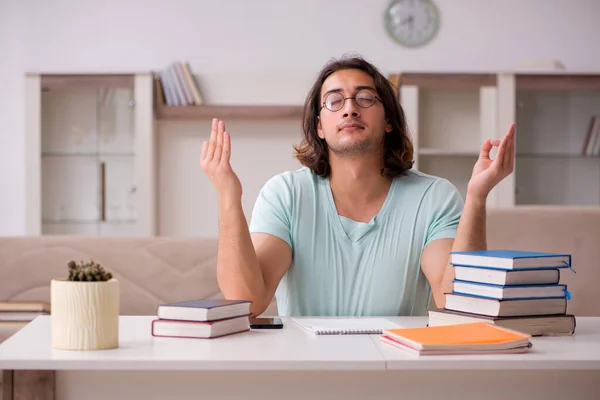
{"x":334,"y":101}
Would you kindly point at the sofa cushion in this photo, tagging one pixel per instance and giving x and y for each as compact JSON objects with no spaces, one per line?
{"x":573,"y":230}
{"x":151,"y":270}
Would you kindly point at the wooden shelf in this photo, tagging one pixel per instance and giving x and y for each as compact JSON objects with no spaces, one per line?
{"x":557,"y":82}
{"x":524,"y":81}
{"x":443,"y":80}
{"x":556,"y":156}
{"x":109,"y":81}
{"x":250,"y":112}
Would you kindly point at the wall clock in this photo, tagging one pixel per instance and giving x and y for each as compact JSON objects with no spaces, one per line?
{"x":412,"y":23}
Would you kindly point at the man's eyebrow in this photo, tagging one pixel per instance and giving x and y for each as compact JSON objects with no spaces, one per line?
{"x":356,"y":89}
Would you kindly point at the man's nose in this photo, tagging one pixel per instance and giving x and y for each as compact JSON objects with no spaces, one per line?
{"x":351,"y":108}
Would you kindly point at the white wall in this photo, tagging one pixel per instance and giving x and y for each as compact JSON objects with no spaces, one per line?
{"x":237,"y":47}
{"x":12,"y":86}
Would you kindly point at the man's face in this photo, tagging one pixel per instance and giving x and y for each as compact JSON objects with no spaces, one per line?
{"x":352,"y":129}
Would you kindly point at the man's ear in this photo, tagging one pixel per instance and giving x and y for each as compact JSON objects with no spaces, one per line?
{"x":320,"y":129}
{"x":388,"y":127}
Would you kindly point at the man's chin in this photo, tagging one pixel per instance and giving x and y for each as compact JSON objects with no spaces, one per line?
{"x":351,"y":148}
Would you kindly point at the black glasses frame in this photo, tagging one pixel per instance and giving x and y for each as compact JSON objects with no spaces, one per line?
{"x":346,"y":98}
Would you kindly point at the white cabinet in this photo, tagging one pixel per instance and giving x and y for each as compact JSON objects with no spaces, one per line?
{"x":553,"y":114}
{"x":451,"y":115}
{"x":90,"y":158}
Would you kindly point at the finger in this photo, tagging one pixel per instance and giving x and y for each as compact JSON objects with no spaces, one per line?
{"x":501,"y":157}
{"x":204,"y":150}
{"x":226,"y":148}
{"x":511,"y":160}
{"x":508,"y":138}
{"x":219,"y":148}
{"x":212,"y":141}
{"x":484,"y":152}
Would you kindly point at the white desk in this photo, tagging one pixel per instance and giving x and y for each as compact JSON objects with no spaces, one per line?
{"x":291,"y":363}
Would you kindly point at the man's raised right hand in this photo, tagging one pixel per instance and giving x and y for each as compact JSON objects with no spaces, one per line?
{"x":214,"y":161}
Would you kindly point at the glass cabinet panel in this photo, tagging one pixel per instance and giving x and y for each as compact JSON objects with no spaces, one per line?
{"x":558,"y":147}
{"x":87,"y":168}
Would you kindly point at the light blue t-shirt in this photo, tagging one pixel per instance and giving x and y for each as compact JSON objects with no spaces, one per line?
{"x":341,"y":267}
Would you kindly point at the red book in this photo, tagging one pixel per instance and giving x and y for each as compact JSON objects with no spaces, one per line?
{"x":198,"y":329}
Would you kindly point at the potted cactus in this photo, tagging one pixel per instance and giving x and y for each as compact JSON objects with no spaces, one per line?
{"x":85,"y":308}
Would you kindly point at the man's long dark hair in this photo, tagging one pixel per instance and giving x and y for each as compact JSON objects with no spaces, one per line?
{"x":313,"y":151}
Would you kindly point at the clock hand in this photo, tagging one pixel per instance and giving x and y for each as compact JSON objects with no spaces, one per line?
{"x":408,"y":20}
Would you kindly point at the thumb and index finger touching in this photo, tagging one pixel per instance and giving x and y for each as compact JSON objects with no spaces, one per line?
{"x":504,"y":145}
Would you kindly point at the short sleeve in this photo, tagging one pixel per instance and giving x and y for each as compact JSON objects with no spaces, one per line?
{"x":272,"y":211}
{"x":444,"y":206}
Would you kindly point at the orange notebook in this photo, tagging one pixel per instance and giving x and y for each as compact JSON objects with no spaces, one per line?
{"x":467,"y":338}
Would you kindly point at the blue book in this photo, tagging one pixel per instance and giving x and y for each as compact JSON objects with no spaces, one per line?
{"x":514,"y":292}
{"x":510,"y":259}
{"x":497,"y":276}
{"x":204,"y":310}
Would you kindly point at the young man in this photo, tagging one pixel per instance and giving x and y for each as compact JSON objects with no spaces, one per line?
{"x":355,"y":231}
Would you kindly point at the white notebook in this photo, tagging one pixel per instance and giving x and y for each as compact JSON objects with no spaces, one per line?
{"x":345,"y":326}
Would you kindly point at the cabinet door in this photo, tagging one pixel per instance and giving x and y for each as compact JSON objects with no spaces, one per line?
{"x":88,"y":142}
{"x":70,"y":173}
{"x":90,"y":155}
{"x":558,"y":140}
{"x":116,"y":144}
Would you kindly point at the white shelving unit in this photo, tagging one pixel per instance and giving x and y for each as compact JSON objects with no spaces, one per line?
{"x":91,"y":141}
{"x":553,"y":114}
{"x":90,"y":155}
{"x":450,"y":115}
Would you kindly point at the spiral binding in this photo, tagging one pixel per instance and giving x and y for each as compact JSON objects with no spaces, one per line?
{"x":347,"y":331}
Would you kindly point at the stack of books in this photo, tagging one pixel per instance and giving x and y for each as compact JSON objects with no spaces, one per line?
{"x":472,"y":338}
{"x":519,"y":290}
{"x":179,"y":86}
{"x":204,"y":318}
{"x":14,"y":315}
{"x":22,"y":311}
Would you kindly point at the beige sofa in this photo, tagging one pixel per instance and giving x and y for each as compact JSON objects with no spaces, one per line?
{"x":160,"y":269}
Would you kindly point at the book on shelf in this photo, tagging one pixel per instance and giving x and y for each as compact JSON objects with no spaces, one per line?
{"x":534,"y":325}
{"x":510,"y":259}
{"x":591,"y":144}
{"x":179,"y":87}
{"x":203,"y":309}
{"x":468,"y":338}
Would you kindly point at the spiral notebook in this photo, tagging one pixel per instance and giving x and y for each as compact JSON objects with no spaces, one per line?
{"x":345,"y":326}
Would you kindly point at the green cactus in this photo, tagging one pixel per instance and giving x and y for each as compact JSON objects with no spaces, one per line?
{"x":87,"y":272}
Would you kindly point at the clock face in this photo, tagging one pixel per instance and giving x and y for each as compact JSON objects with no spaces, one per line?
{"x":411,"y":23}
